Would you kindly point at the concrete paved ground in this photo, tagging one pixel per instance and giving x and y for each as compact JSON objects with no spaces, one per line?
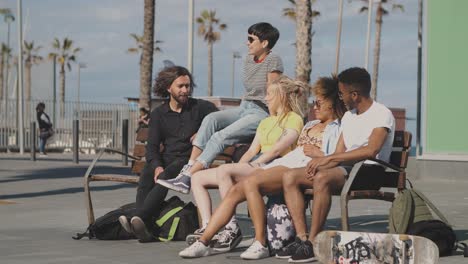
{"x":42,"y":206}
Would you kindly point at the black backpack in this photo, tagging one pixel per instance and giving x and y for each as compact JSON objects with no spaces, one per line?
{"x":108,"y":227}
{"x":437,"y":231}
{"x":176,"y":220}
{"x":410,"y":214}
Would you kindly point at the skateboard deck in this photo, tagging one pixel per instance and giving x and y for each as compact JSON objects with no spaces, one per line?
{"x":340,"y":247}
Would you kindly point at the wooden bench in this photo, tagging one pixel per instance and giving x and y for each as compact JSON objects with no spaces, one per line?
{"x":393,"y":177}
{"x":138,"y":163}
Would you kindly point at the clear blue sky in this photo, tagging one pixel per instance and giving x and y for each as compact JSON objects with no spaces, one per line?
{"x":102,"y":28}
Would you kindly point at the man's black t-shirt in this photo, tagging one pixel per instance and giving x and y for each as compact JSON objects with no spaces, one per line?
{"x":174,"y":130}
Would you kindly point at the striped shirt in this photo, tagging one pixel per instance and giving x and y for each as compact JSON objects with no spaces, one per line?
{"x":256,"y":74}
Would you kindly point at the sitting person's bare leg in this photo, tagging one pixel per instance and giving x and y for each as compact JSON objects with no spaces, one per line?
{"x":220,"y":218}
{"x":223,"y":177}
{"x":293,"y":180}
{"x":264,"y":182}
{"x":200,"y":185}
{"x":325,"y":183}
{"x":227,"y":175}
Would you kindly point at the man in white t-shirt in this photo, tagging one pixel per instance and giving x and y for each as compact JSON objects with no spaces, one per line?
{"x":367,"y":131}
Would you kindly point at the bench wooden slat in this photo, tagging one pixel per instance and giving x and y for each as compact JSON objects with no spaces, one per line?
{"x":137,"y":166}
{"x":142,"y":134}
{"x":379,"y":195}
{"x":139,"y":150}
{"x":115,"y":178}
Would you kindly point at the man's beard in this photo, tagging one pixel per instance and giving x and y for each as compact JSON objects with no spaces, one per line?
{"x":181,"y":99}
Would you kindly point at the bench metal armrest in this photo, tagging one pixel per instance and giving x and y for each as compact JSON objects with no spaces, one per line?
{"x":355,"y":171}
{"x":99,"y":155}
{"x":87,"y":179}
{"x":386,"y":165}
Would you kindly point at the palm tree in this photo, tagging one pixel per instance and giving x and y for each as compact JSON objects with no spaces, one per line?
{"x":31,"y":58}
{"x":146,"y":61}
{"x":5,"y":52}
{"x":8,"y":18}
{"x":381,"y":11}
{"x":206,"y":23}
{"x":302,"y":14}
{"x":139,"y":46}
{"x":64,"y":53}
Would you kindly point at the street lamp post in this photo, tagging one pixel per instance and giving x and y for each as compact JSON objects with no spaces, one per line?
{"x":9,"y":18}
{"x":20,"y":77}
{"x":190,"y":37}
{"x":338,"y":35}
{"x":235,"y":55}
{"x":369,"y":20}
{"x":80,"y":66}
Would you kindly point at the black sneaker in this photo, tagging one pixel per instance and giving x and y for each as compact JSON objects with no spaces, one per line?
{"x":140,"y":231}
{"x":305,"y":253}
{"x":290,"y":249}
{"x":228,"y":240}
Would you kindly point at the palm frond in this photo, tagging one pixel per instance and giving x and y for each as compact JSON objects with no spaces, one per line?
{"x":398,"y":6}
{"x":132,"y":50}
{"x":56,"y":44}
{"x":135,"y":37}
{"x":52,"y":55}
{"x":205,"y":14}
{"x":201,"y":30}
{"x":289,"y":12}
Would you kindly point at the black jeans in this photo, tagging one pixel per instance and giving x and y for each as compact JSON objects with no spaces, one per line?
{"x":150,"y":195}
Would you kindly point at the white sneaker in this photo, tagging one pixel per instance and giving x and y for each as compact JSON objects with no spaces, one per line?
{"x":196,"y":250}
{"x":256,"y":251}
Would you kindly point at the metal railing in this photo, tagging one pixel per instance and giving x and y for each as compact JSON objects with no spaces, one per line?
{"x":100,"y":124}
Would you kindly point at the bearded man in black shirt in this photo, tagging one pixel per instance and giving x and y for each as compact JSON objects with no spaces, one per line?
{"x":173,"y":126}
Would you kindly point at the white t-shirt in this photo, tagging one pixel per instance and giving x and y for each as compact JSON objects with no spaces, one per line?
{"x":356,"y":129}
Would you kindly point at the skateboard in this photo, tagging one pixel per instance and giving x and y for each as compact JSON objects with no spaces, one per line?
{"x":340,"y":247}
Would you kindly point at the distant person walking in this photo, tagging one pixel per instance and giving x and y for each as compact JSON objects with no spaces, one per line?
{"x":45,"y":127}
{"x":143,"y":120}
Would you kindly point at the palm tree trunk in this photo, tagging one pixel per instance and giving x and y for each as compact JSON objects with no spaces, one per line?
{"x":62,"y":90}
{"x":2,"y":63}
{"x":303,"y":40}
{"x":378,"y":33}
{"x":27,"y":98}
{"x":27,"y":74}
{"x":146,"y":67}
{"x":210,"y":69}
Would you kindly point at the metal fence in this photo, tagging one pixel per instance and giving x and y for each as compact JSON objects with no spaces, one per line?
{"x":100,"y":124}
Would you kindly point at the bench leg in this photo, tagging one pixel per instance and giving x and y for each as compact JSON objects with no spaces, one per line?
{"x":344,"y":213}
{"x":89,"y":204}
